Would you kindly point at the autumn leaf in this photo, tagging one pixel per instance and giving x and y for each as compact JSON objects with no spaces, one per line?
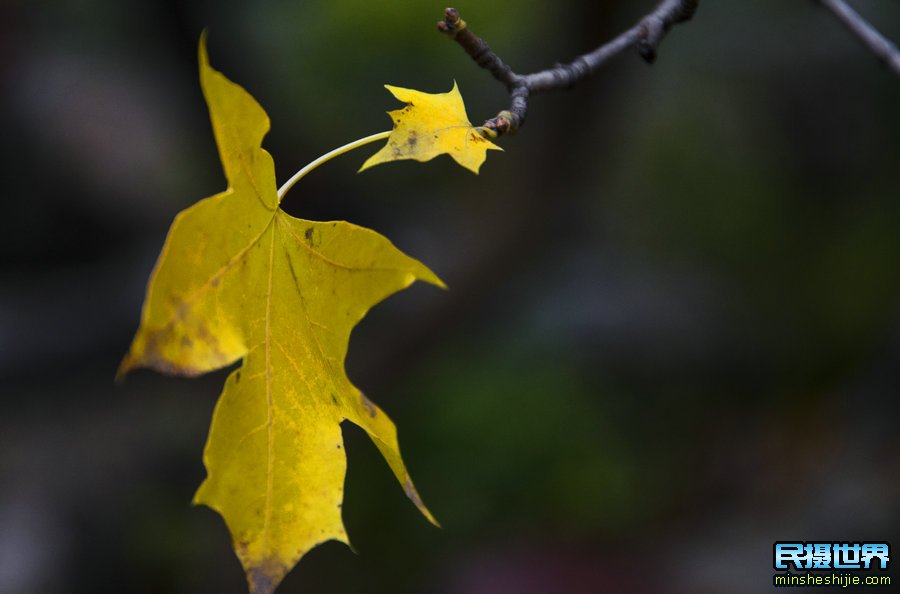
{"x":432,"y":124}
{"x":238,"y":278}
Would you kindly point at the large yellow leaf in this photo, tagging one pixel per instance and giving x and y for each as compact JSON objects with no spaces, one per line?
{"x":239,"y":278}
{"x":432,"y":124}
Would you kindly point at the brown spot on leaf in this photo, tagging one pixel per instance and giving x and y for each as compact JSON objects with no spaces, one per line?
{"x":186,"y":341}
{"x":411,"y":492}
{"x":180,"y":307}
{"x":209,"y":339}
{"x":153,"y":358}
{"x":367,"y":404}
{"x":265,"y":577}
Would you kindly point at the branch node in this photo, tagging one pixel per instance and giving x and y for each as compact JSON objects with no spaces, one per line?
{"x":498,"y":126}
{"x":451,"y":24}
{"x":652,"y":30}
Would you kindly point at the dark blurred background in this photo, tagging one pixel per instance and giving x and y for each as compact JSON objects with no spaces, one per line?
{"x":672,"y":334}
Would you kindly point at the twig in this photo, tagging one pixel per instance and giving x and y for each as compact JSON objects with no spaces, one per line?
{"x":879,"y":45}
{"x":645,"y":36}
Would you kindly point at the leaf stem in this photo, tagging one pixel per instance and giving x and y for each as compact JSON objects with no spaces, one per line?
{"x":327,"y":157}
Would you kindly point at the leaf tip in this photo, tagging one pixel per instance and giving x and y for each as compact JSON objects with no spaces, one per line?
{"x":368,"y":164}
{"x":437,"y":282}
{"x":413,"y":496}
{"x":198,"y":498}
{"x":473,"y":165}
{"x":202,"y":54}
{"x":123,"y":369}
{"x":425,"y":274}
{"x":129,"y":363}
{"x":265,"y":577}
{"x":397,"y":92}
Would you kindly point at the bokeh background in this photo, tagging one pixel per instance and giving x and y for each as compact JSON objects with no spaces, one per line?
{"x":672,"y":334}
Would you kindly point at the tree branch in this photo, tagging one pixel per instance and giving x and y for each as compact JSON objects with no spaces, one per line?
{"x":645,"y":36}
{"x":877,"y":43}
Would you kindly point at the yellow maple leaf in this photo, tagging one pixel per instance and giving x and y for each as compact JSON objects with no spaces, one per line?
{"x":240,"y":278}
{"x":430,"y":125}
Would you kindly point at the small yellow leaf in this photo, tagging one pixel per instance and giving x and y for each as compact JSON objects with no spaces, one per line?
{"x":238,"y":278}
{"x":430,"y":125}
